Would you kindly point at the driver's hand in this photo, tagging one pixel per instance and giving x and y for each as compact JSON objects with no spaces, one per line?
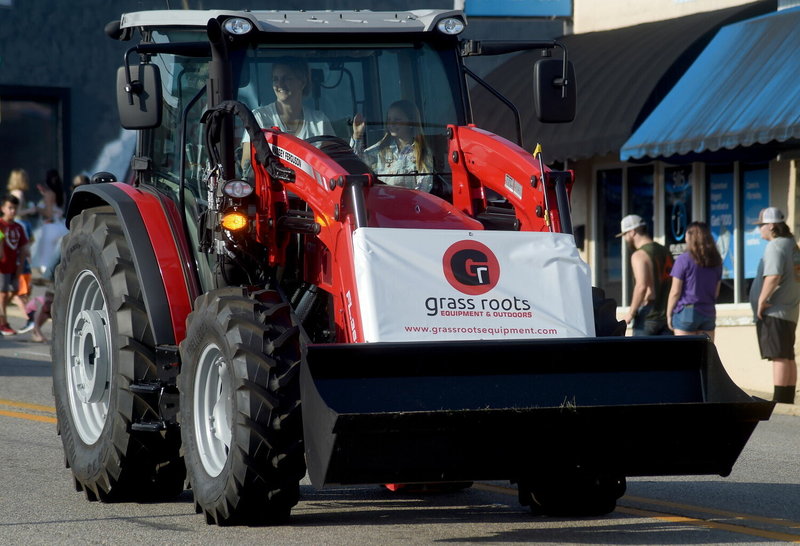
{"x":359,"y":124}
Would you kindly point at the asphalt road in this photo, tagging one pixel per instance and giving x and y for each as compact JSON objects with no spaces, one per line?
{"x":758,"y":503}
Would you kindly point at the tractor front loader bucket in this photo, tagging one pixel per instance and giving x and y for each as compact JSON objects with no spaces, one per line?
{"x":495,"y":410}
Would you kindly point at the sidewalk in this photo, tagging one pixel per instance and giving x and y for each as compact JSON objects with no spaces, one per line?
{"x":738,"y":351}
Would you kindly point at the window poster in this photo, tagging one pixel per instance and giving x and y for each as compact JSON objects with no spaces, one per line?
{"x":678,"y":206}
{"x":720,"y":216}
{"x":755,"y":183}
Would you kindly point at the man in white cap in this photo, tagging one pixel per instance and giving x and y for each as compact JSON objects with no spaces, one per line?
{"x":775,"y":299}
{"x":651,"y":264}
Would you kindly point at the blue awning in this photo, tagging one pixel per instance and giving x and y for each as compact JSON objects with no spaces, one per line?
{"x":744,"y":89}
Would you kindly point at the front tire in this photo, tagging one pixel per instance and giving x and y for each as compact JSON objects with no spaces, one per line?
{"x":102,"y":342}
{"x":240,"y":407}
{"x":572,"y":491}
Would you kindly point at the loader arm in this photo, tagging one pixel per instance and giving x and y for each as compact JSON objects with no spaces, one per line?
{"x":479,"y":159}
{"x":327,"y":201}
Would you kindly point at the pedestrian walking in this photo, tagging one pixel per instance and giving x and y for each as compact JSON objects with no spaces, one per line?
{"x":51,"y":209}
{"x":18,"y":184}
{"x":38,"y":311}
{"x":775,"y":299}
{"x":696,"y":278}
{"x":15,"y":249}
{"x":651,"y":264}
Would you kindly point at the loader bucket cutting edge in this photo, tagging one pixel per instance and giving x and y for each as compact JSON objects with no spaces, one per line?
{"x":491,"y":410}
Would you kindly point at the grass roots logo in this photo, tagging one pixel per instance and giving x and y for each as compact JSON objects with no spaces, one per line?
{"x":471,"y":267}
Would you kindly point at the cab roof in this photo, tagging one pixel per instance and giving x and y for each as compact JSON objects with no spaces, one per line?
{"x":353,"y":21}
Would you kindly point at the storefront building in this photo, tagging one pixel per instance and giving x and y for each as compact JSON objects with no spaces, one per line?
{"x":690,"y":118}
{"x":737,"y":137}
{"x":732,"y":123}
{"x":622,"y":76}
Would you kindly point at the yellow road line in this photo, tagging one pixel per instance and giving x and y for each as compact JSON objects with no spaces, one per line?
{"x":25,"y":405}
{"x":494,"y":488}
{"x":772,"y":535}
{"x":28,"y":416}
{"x":715,"y":511}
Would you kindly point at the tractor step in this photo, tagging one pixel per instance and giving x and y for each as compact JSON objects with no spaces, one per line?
{"x":145,"y":388}
{"x":148,"y":426}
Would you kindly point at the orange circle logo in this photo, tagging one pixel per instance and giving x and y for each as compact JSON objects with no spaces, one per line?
{"x":471,"y":267}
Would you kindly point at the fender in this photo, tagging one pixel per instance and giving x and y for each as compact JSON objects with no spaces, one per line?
{"x":167,"y":290}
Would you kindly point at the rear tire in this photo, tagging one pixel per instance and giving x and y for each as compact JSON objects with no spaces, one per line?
{"x":574,"y":494}
{"x":240,"y":407}
{"x":102,"y":341}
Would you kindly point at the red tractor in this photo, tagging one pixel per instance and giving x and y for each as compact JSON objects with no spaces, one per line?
{"x":258,"y":302}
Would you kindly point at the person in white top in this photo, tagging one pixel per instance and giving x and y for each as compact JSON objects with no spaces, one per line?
{"x":288,"y":113}
{"x":47,"y":248}
{"x":401,"y":157}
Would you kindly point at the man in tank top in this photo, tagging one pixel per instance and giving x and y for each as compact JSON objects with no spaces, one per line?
{"x":651,"y":264}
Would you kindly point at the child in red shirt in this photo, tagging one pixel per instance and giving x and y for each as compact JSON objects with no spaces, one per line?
{"x":15,"y":249}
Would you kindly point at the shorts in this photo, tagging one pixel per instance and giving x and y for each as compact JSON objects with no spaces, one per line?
{"x":776,"y":338}
{"x":644,"y":327}
{"x":9,"y":282}
{"x":689,"y":319}
{"x":24,"y":284}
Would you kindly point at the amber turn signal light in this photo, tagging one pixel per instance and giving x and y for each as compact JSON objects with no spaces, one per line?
{"x":234,"y":221}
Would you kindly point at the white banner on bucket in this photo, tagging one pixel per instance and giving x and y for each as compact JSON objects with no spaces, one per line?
{"x":417,"y":285}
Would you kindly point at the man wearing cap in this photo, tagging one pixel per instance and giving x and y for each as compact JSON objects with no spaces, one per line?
{"x":651,"y":264}
{"x":775,"y":299}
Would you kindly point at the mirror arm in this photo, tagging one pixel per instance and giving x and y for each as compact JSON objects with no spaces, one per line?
{"x":476,"y":48}
{"x":187,"y":49}
{"x":563,"y":82}
{"x":131,"y":87}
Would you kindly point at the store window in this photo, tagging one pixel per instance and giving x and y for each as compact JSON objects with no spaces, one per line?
{"x":608,"y":264}
{"x":632,"y":190}
{"x":640,"y":194}
{"x":735,"y":195}
{"x":632,"y":187}
{"x":32,"y":132}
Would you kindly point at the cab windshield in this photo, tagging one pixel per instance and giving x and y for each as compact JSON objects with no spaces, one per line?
{"x":390,"y":102}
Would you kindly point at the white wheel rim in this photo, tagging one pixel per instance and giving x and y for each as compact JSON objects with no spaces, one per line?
{"x":88,"y":366}
{"x":213,"y":410}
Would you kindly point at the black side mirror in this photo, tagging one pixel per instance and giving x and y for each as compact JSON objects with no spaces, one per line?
{"x":139,"y":96}
{"x":554,"y":91}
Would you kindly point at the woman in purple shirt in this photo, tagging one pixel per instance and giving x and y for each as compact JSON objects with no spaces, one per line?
{"x":695,"y":284}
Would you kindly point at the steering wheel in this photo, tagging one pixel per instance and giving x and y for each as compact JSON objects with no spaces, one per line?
{"x":327,"y":138}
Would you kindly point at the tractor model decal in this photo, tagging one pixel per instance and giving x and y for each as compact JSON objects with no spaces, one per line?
{"x":299,"y":163}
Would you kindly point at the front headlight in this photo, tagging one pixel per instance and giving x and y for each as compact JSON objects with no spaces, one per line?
{"x":237,"y":26}
{"x":237,"y":188}
{"x":451,"y":26}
